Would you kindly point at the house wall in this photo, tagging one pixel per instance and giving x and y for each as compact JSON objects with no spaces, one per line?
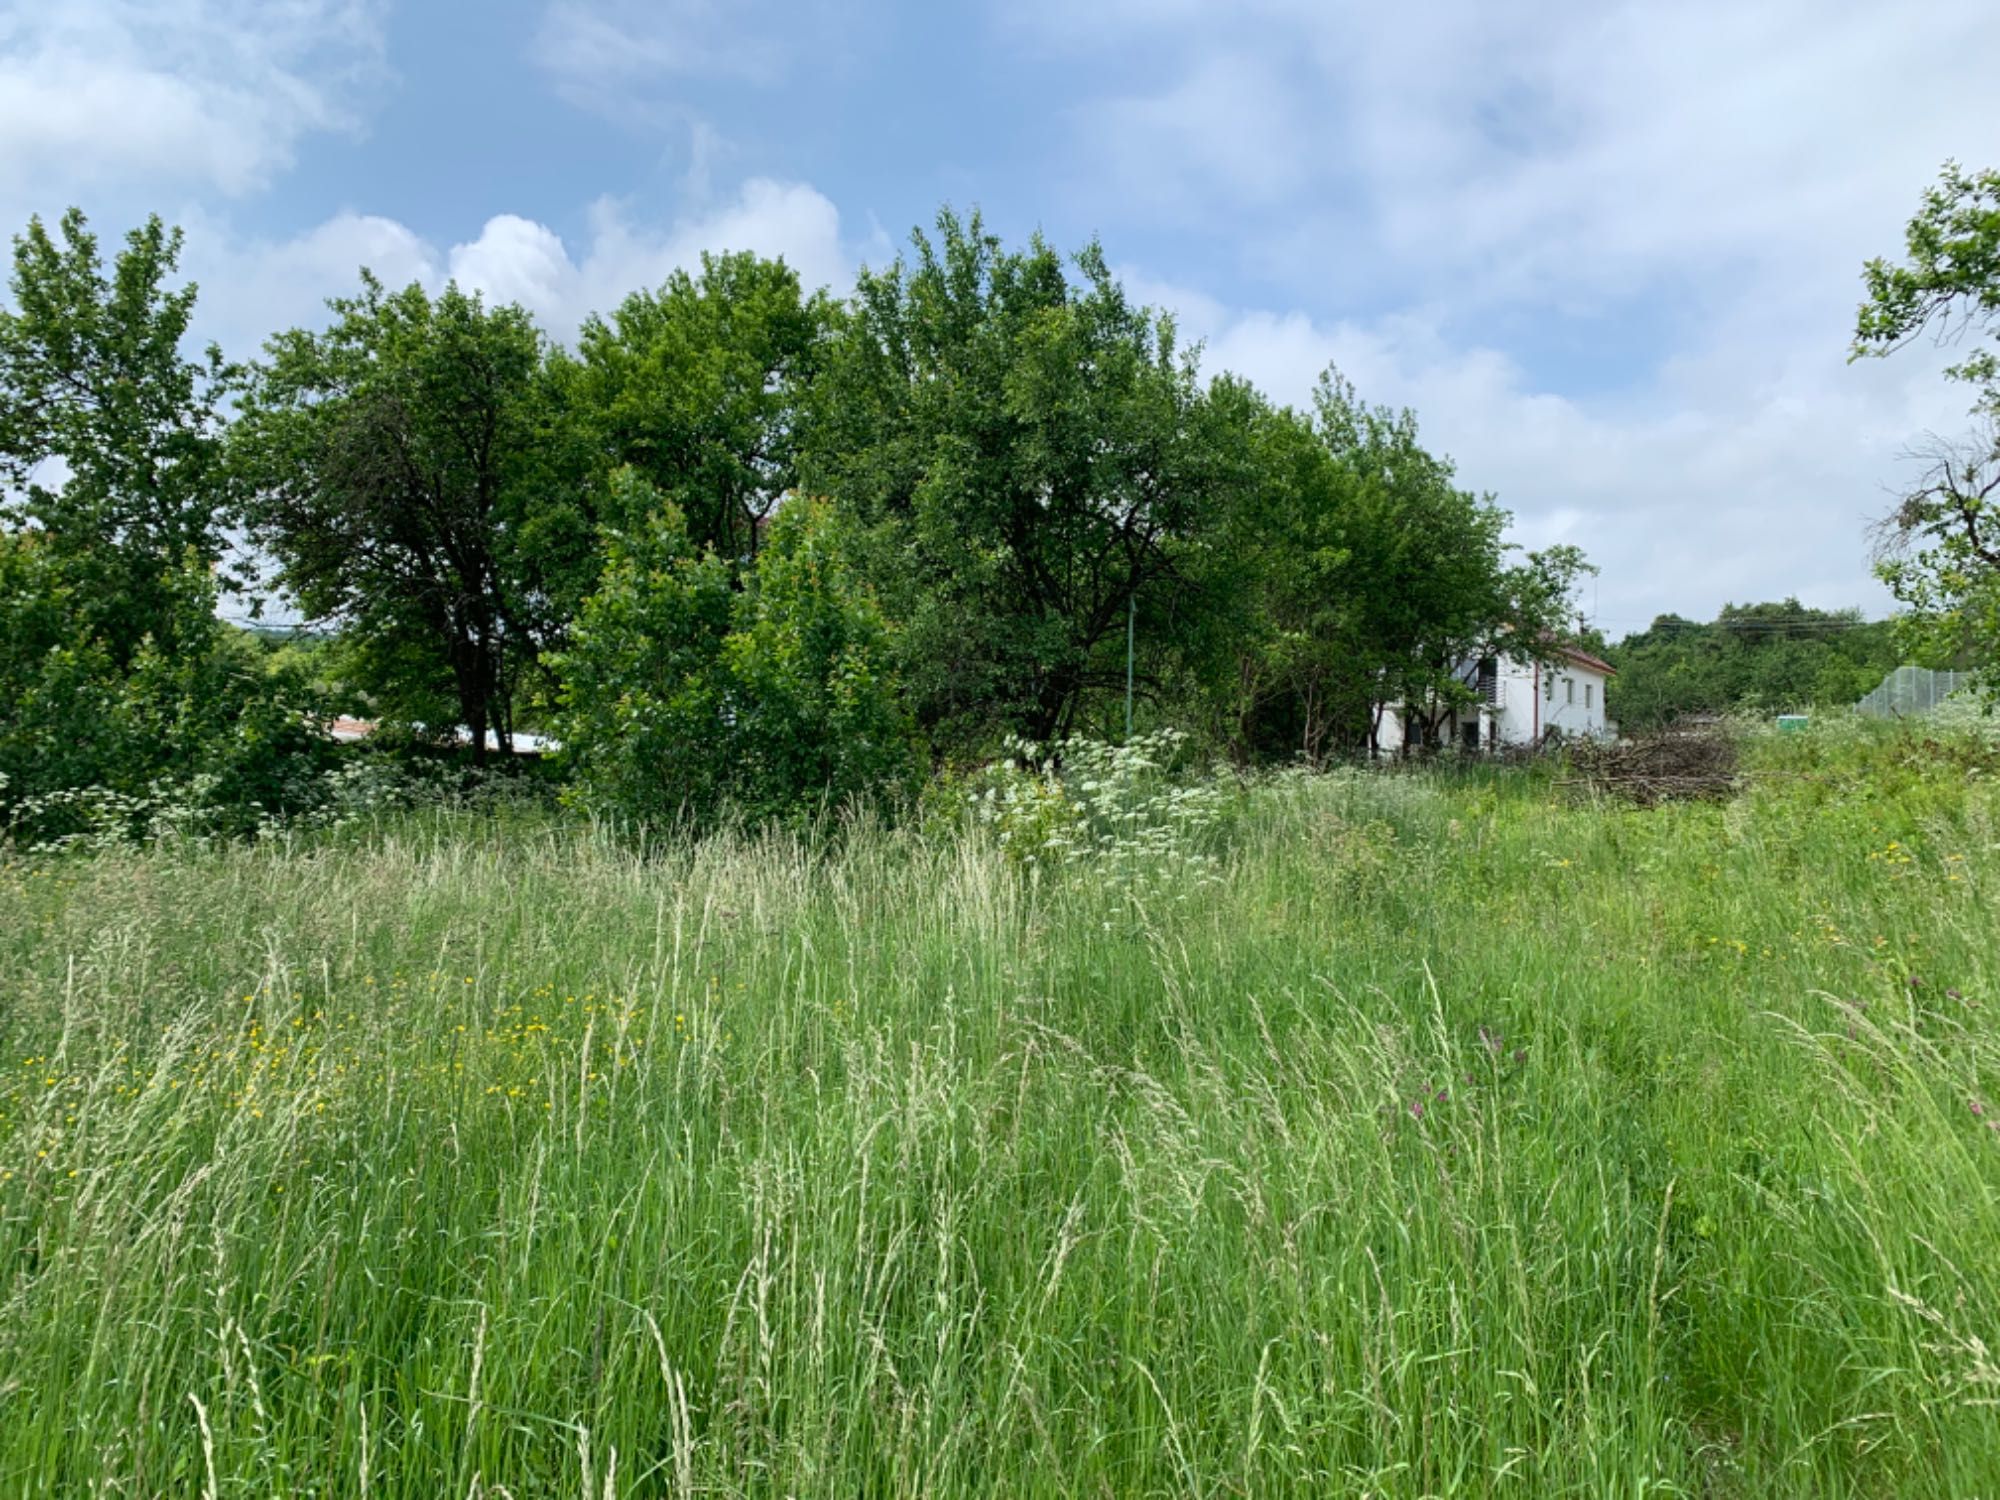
{"x":1389,"y":732}
{"x":1572,"y":702}
{"x":1528,"y":703}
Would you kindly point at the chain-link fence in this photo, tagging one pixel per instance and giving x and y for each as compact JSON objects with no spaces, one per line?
{"x":1912,"y":690}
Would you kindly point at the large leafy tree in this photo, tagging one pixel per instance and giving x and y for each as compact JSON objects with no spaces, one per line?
{"x":1032,"y":462}
{"x":1379,"y":580}
{"x":121,"y":692}
{"x":110,"y":434}
{"x":1940,"y":546}
{"x":408,"y":472}
{"x":696,"y":387}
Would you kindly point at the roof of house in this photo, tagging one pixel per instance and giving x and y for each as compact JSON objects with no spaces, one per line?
{"x":1585,"y":659}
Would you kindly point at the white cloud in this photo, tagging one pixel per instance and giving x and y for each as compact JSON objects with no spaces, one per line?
{"x":1610,"y":254}
{"x":584,"y":40}
{"x":210,"y":93}
{"x":1718,"y":482}
{"x":517,"y":260}
{"x":254,"y":287}
{"x":1558,"y":151}
{"x":627,"y":58}
{"x":1173,"y":149}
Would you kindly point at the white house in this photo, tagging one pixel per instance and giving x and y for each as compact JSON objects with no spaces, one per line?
{"x":351,"y":731}
{"x":1519,"y":703}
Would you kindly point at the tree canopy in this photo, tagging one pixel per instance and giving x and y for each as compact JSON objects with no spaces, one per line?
{"x":745,"y":548}
{"x":1772,"y":658}
{"x":696,"y":387}
{"x":398,"y":470}
{"x":1030,"y":458}
{"x":1939,"y":548}
{"x":110,"y":433}
{"x":120,"y":690}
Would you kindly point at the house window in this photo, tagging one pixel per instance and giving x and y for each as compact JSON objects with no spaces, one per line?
{"x":1569,"y":690}
{"x":1587,"y":688}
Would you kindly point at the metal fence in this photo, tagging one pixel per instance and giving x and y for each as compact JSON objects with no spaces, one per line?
{"x":1912,"y":690}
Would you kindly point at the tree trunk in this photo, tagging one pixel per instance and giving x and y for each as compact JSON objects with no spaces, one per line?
{"x":468,"y":664}
{"x":1053,"y":706}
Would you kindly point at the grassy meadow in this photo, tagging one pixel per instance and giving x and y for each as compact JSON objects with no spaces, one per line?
{"x":1462,"y":1137}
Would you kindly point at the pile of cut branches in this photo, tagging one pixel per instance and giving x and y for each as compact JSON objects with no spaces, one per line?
{"x":1685,"y":765}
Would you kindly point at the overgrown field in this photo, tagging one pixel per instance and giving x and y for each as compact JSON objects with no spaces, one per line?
{"x":1458,"y":1138}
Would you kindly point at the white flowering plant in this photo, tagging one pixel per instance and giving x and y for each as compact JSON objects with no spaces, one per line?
{"x":1121,"y":814}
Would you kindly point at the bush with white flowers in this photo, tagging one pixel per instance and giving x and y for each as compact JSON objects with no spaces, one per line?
{"x":1120,"y":814}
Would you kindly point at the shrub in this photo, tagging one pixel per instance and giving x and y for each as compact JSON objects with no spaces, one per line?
{"x":197,"y":732}
{"x":686,"y":696}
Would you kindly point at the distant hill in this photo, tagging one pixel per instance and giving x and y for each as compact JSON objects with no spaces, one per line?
{"x":1752,"y":658}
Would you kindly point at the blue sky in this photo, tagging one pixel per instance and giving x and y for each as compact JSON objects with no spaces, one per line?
{"x":1608,"y":252}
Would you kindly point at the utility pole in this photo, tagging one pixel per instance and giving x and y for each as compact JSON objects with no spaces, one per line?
{"x":1131,"y":619}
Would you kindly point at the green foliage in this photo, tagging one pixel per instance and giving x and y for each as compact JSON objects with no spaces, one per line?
{"x":1026,"y":472}
{"x":641,"y":692}
{"x":126,"y":706}
{"x":1753,"y":658}
{"x":1952,"y":273}
{"x":697,"y":386}
{"x":1375,"y":581}
{"x":816,"y":713}
{"x":110,"y":437}
{"x":407,"y":471}
{"x":199,"y":735}
{"x":1940,"y":553}
{"x":683,"y":696}
{"x":1029,"y":458}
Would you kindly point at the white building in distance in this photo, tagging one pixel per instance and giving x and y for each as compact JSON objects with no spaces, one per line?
{"x":1519,"y":704}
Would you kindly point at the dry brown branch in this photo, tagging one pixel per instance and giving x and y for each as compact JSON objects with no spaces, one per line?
{"x":1671,"y":766}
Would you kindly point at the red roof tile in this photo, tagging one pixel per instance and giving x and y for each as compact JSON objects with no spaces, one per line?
{"x":1585,"y":659}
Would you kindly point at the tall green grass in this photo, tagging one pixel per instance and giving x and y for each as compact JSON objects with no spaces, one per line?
{"x":1462,"y":1139}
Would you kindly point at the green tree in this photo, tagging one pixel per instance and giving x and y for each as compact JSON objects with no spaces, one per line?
{"x":196,"y":724}
{"x":1776,"y":657}
{"x":1939,"y":549}
{"x":122,"y":695}
{"x":697,"y":387}
{"x":641,"y":690}
{"x":816,"y":710}
{"x":110,"y":436}
{"x":1382,"y":582}
{"x":1029,"y":459}
{"x":407,"y":470}
{"x":685,"y":696}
